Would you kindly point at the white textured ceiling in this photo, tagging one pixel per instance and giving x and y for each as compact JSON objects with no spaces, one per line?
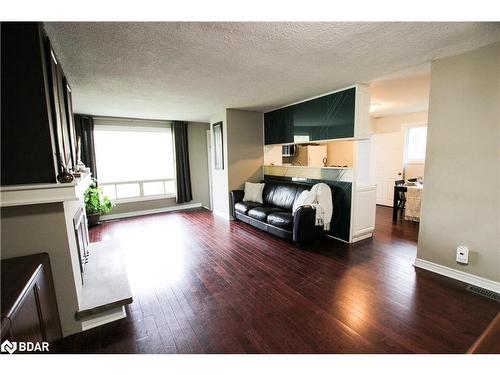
{"x":189,"y":71}
{"x":405,"y":92}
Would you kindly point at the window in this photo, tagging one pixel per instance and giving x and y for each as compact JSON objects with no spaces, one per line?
{"x":416,"y":138}
{"x":135,"y":160}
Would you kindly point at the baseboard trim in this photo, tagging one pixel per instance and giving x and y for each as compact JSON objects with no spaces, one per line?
{"x":362,"y":235}
{"x":149,"y":212}
{"x":465,"y":277}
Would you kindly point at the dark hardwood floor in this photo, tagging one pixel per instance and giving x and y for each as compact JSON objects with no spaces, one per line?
{"x":202,"y":285}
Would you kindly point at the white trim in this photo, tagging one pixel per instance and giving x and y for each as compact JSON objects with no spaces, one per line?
{"x":364,"y":236}
{"x":103,"y":120}
{"x":143,"y":198}
{"x":458,"y":275}
{"x":21,"y":195}
{"x":149,"y":212}
{"x":104,"y":318}
{"x":406,"y":130}
{"x":133,"y":128}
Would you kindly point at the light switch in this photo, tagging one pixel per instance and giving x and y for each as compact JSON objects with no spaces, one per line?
{"x":463,"y":254}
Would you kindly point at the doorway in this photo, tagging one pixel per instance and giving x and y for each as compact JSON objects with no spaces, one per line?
{"x":209,"y":166}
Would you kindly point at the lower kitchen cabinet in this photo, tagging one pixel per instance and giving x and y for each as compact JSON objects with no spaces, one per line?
{"x":29,"y":307}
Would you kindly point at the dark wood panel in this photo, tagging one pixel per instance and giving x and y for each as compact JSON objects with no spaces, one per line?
{"x":29,"y":303}
{"x":26,"y":323}
{"x":202,"y":285}
{"x":37,"y":117}
{"x":26,"y":149}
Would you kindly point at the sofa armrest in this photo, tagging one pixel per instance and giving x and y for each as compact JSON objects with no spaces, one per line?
{"x":304,"y":225}
{"x":236,"y":196}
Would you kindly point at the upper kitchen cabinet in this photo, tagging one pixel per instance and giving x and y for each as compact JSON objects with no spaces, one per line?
{"x":339,"y":115}
{"x":278,"y":127}
{"x":37,"y":125}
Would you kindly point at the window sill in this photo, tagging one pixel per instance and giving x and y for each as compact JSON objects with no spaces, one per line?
{"x":142,"y":199}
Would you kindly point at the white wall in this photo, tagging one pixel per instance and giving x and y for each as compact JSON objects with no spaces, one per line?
{"x":45,"y":228}
{"x":461,"y":199}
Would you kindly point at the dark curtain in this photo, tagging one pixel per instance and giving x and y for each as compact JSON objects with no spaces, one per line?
{"x":183,"y":175}
{"x":84,"y":126}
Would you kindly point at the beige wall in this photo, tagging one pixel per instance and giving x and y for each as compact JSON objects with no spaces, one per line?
{"x":414,"y":170}
{"x":461,"y":197}
{"x":395,"y":123}
{"x":245,"y":147}
{"x":340,"y":153}
{"x":273,"y":155}
{"x":198,"y":163}
{"x":243,"y":155}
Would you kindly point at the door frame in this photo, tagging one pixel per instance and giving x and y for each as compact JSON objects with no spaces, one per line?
{"x":209,"y":165}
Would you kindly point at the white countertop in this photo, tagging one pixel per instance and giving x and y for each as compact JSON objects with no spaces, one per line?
{"x":305,"y":166}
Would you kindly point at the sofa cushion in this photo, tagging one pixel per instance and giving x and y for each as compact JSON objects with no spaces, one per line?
{"x":281,"y":219}
{"x":253,"y":192}
{"x":281,"y":195}
{"x":244,"y":207}
{"x":260,"y":213}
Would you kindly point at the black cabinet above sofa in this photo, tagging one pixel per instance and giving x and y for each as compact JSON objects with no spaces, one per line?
{"x":339,"y":115}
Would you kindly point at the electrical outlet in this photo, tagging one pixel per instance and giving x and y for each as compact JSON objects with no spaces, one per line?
{"x":463,"y":254}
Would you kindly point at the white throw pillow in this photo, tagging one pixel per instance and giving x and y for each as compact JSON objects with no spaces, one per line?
{"x":305,"y":198}
{"x":253,"y":192}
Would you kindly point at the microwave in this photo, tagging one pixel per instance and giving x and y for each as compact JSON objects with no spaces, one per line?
{"x":288,"y":150}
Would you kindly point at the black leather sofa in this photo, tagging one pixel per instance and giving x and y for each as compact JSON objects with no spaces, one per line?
{"x":275,"y":214}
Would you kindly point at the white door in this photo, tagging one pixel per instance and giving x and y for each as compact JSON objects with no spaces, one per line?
{"x":388,"y":153}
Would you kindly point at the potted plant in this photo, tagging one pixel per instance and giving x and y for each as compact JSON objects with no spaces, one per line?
{"x":96,"y":203}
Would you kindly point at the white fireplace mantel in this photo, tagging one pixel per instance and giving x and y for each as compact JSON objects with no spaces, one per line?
{"x":21,"y":195}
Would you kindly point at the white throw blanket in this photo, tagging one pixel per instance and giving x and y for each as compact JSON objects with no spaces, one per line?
{"x":323,"y":204}
{"x":413,"y":201}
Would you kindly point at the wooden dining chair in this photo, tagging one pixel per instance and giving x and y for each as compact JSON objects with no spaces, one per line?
{"x":401,"y":195}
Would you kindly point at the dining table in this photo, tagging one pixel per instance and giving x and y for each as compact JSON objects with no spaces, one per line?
{"x":413,"y":192}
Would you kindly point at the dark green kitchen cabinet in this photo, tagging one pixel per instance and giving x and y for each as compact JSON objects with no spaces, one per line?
{"x":331,"y":116}
{"x":278,"y":127}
